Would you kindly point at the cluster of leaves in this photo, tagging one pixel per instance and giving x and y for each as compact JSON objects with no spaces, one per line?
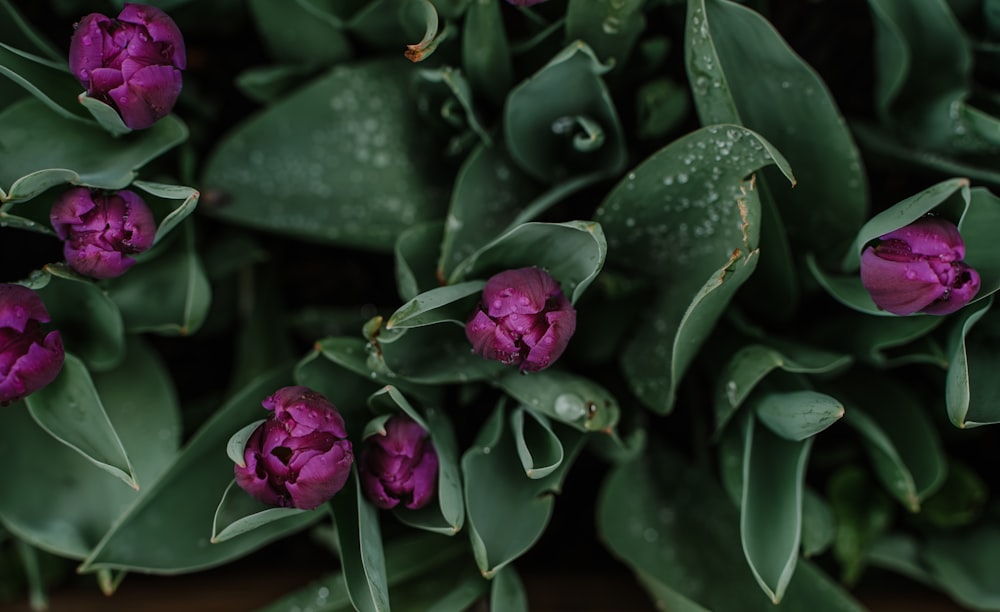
{"x":644,"y":153}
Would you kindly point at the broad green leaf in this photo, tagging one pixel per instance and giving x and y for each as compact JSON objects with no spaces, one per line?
{"x":429,"y":355}
{"x":168,"y":294}
{"x":789,"y":105}
{"x":69,"y":519}
{"x":183,"y":501}
{"x":862,"y":514}
{"x":47,"y":80}
{"x":754,"y":362}
{"x":451,"y":303}
{"x":569,"y":398}
{"x":89,"y":322}
{"x":981,"y":249}
{"x":610,"y":28}
{"x":490,"y":190}
{"x":186,"y":200}
{"x":572,"y":252}
{"x":882,"y":341}
{"x":448,"y":515}
{"x":416,"y":254}
{"x":507,"y":591}
{"x":239,"y":513}
{"x":670,"y":523}
{"x":361,"y":554}
{"x":39,"y":150}
{"x":890,"y":467}
{"x":237,"y":444}
{"x":268,"y":84}
{"x":818,"y":527}
{"x":963,"y":564}
{"x":538,"y":447}
{"x":797,"y":415}
{"x":343,"y":160}
{"x":485,"y":52}
{"x":70,"y":410}
{"x":300,"y":32}
{"x":771,"y":515}
{"x":971,"y":369}
{"x":507,"y":511}
{"x":552,"y":136}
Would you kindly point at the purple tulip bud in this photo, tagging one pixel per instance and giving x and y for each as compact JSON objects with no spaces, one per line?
{"x":132,"y":63}
{"x":101,"y":230}
{"x":523,"y":319}
{"x":525,"y":2}
{"x":29,"y":358}
{"x":300,"y":456}
{"x":400,"y":465}
{"x":919,"y":268}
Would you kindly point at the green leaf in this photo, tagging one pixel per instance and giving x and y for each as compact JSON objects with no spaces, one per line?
{"x":798,"y":415}
{"x":70,"y":409}
{"x":168,"y":294}
{"x":105,"y":115}
{"x":818,"y":527}
{"x":300,"y":32}
{"x":451,"y":303}
{"x":268,"y":84}
{"x":39,"y":150}
{"x":187,"y":196}
{"x":962,"y":564}
{"x":429,"y":355}
{"x":239,"y":513}
{"x":70,"y":519}
{"x":572,"y":252}
{"x":862,"y":514}
{"x":238,"y":442}
{"x":182,"y":503}
{"x":981,"y":249}
{"x":960,"y":499}
{"x":672,"y":525}
{"x":540,"y":120}
{"x":771,"y":515}
{"x":507,"y":511}
{"x":448,"y":515}
{"x":538,"y":447}
{"x":754,"y":362}
{"x":789,"y":105}
{"x":507,"y":591}
{"x":971,"y":368}
{"x":343,"y":160}
{"x":16,"y":31}
{"x":47,"y":80}
{"x":416,"y":259}
{"x":569,"y":398}
{"x":361,"y":553}
{"x":611,"y":29}
{"x":485,"y":52}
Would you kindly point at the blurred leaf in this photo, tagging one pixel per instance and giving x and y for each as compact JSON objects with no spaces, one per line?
{"x":537,"y":445}
{"x":798,"y":415}
{"x":17,"y":32}
{"x":789,"y":105}
{"x":818,"y":526}
{"x":485,"y":52}
{"x":963,"y":565}
{"x":569,"y":398}
{"x":771,"y":515}
{"x":754,"y":362}
{"x":971,"y":368}
{"x":545,"y":129}
{"x":862,"y":514}
{"x":458,"y":91}
{"x":183,"y":501}
{"x":344,"y":160}
{"x":507,"y":591}
{"x":662,"y":105}
{"x":448,"y":515}
{"x":268,"y":84}
{"x":69,"y":519}
{"x":609,"y":28}
{"x":416,"y":259}
{"x":47,"y":80}
{"x":507,"y":511}
{"x":300,"y":32}
{"x":572,"y":252}
{"x":361,"y":553}
{"x":39,"y":150}
{"x":70,"y":409}
{"x":670,"y":524}
{"x":168,"y":294}
{"x":89,"y":322}
{"x":239,"y":513}
{"x":882,"y":341}
{"x":960,"y":499}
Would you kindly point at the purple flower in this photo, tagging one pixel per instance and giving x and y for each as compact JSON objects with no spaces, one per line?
{"x":919,"y":268}
{"x":399,"y":465}
{"x":525,"y":2}
{"x":132,"y":63}
{"x":523,"y":319}
{"x":29,"y":358}
{"x":300,"y":456}
{"x":101,"y":230}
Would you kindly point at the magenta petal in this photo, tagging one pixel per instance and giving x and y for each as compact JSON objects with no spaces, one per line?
{"x":86,"y":48}
{"x":424,"y":481}
{"x":931,"y":236}
{"x":18,"y":305}
{"x":161,"y":29}
{"x":322,"y":477}
{"x":33,"y":370}
{"x":901,"y":288}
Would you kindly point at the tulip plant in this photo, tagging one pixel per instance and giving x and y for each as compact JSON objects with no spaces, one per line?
{"x":442,"y":292}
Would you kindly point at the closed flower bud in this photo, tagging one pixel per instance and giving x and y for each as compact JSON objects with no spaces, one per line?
{"x":132,"y":63}
{"x":29,"y":358}
{"x":919,"y":268}
{"x":300,"y":456}
{"x":102,"y":230}
{"x":524,"y":319}
{"x":525,"y":2}
{"x":400,"y":465}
